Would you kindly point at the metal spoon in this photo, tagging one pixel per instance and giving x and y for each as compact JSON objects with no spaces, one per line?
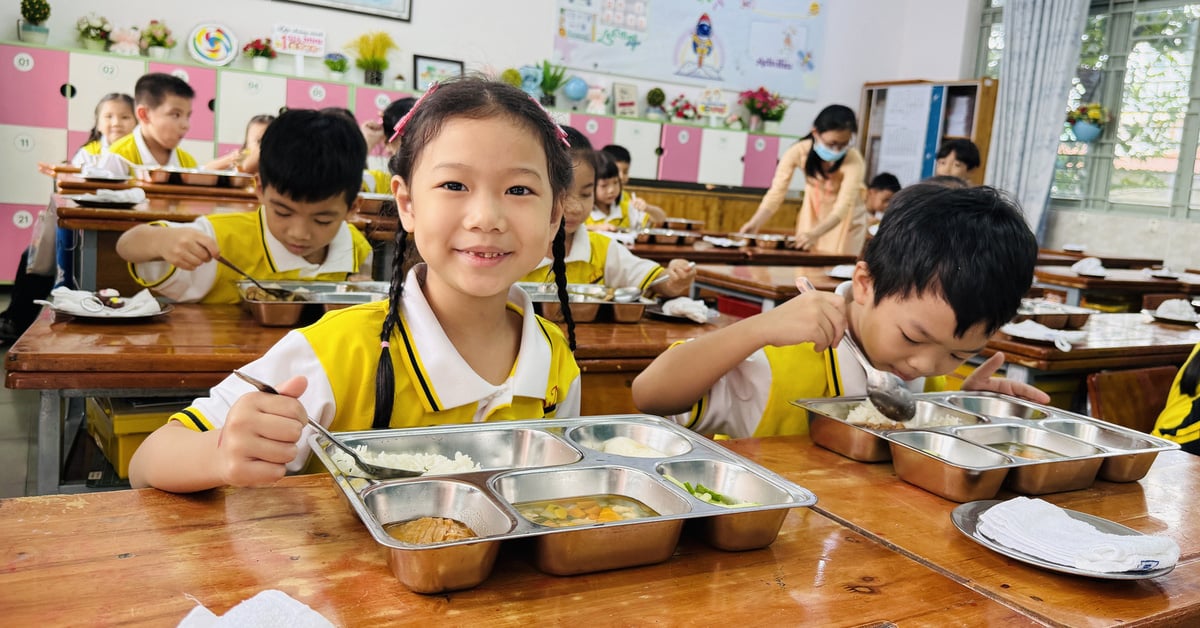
{"x":376,"y":471}
{"x":886,"y":391}
{"x":278,"y":293}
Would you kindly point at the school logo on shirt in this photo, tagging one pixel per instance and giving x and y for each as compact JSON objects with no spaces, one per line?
{"x":551,"y":402}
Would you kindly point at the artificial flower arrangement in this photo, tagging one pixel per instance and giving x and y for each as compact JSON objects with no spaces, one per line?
{"x":764,"y":104}
{"x":683,"y":109}
{"x":259,"y":48}
{"x":1093,"y":112}
{"x":156,"y":33}
{"x":337,"y":62}
{"x":94,"y":27}
{"x":372,"y":50}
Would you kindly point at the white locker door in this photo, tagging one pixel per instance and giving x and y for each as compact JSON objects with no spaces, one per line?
{"x":21,"y":148}
{"x":642,"y":139}
{"x":243,"y":95}
{"x":721,"y":157}
{"x":93,"y":76}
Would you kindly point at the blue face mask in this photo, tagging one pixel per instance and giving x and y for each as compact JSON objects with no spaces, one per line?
{"x":826,"y":153}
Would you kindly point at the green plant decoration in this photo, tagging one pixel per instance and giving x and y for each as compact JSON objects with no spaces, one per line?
{"x":35,"y":11}
{"x":552,"y":77}
{"x":656,"y":97}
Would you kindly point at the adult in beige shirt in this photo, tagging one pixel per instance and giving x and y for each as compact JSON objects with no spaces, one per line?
{"x":832,"y":218}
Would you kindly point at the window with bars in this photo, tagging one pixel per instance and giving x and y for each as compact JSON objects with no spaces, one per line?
{"x":1139,"y":59}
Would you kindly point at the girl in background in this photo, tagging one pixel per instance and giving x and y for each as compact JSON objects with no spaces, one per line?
{"x":612,"y":211}
{"x":479,"y":182}
{"x":832,"y":217}
{"x":245,"y":159}
{"x":114,"y":119}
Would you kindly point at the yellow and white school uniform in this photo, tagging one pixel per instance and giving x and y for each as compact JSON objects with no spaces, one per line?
{"x":618,"y":215}
{"x":244,"y":239}
{"x":377,"y":181}
{"x":132,"y":150}
{"x":434,"y":385}
{"x":754,"y":399}
{"x":89,"y":153}
{"x":1180,"y":418}
{"x":598,"y":259}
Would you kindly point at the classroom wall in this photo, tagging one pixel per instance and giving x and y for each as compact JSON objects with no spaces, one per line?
{"x":1127,"y":234}
{"x":867,"y":40}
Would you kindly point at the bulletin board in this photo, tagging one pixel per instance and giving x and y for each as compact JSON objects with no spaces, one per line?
{"x":731,"y":44}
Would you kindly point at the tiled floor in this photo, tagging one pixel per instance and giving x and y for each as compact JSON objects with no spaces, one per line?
{"x":18,"y":433}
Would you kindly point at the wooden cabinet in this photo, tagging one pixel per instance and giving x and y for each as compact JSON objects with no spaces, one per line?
{"x":722,"y":212}
{"x":923,"y":115}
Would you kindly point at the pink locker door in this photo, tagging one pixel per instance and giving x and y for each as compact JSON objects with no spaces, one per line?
{"x":204,"y":81}
{"x":762,"y":155}
{"x":302,"y":94}
{"x":680,"y":159}
{"x":33,"y":80}
{"x":16,"y":230}
{"x":598,"y":129}
{"x":369,"y":102}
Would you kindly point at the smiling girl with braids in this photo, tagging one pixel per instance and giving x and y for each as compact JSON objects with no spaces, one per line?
{"x":479,"y":183}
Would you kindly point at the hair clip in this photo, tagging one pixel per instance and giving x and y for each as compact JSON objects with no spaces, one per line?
{"x":562,"y":133}
{"x":398,"y":130}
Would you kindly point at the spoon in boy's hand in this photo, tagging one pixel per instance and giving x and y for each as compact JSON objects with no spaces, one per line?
{"x":886,"y":391}
{"x":278,"y":293}
{"x":376,"y":471}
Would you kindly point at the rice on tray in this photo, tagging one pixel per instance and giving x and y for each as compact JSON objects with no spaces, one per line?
{"x":866,"y":414}
{"x":429,"y":464}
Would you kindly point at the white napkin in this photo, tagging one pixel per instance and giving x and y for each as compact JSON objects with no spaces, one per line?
{"x":86,"y":303}
{"x":1178,"y":309}
{"x":99,"y":173}
{"x":690,"y":308}
{"x":1041,"y":529}
{"x":723,"y":242}
{"x":1089,"y":266}
{"x":841,"y":271}
{"x":132,"y":195}
{"x":269,"y":609}
{"x":1033,"y":330}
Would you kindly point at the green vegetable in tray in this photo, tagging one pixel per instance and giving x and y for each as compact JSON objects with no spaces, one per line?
{"x":703,"y":493}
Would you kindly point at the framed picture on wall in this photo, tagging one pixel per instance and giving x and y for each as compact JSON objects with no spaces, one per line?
{"x":428,"y":70}
{"x":625,"y":99}
{"x":395,"y":9}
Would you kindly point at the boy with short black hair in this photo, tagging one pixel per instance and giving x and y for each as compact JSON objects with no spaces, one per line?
{"x":880,"y":191}
{"x":946,"y":270}
{"x":163,"y":108}
{"x":957,"y":158}
{"x":308,"y":180}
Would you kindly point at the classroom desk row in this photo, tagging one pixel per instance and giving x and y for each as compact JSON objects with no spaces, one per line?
{"x":193,"y":347}
{"x":704,"y":253}
{"x":1125,"y":282}
{"x":75,"y":184}
{"x":872,"y":551}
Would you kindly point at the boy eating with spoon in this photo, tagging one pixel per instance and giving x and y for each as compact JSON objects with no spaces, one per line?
{"x":946,"y":270}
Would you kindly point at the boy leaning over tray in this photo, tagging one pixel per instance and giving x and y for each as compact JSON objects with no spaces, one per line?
{"x":163,"y":108}
{"x":946,"y":270}
{"x":299,"y":231}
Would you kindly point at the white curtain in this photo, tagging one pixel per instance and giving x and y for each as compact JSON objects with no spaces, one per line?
{"x":1041,"y":52}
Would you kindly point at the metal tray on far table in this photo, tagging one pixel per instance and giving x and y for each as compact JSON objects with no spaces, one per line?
{"x":589,"y":303}
{"x":558,"y":459}
{"x":997,"y":441}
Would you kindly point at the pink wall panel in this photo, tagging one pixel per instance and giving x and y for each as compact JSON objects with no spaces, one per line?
{"x":762,"y":155}
{"x":599,"y":130}
{"x":370,"y":101}
{"x":75,"y":139}
{"x":680,"y":160}
{"x":33,"y":75}
{"x":302,"y":94}
{"x":204,"y":81}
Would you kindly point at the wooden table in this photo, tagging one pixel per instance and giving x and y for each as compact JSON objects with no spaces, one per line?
{"x":704,"y":253}
{"x":1126,"y":282}
{"x":75,"y":184}
{"x":870,"y":499}
{"x":1059,"y":257}
{"x":768,"y":285}
{"x":196,"y":346}
{"x":1114,"y":341}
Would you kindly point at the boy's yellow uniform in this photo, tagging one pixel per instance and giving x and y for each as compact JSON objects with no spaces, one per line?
{"x":598,"y":259}
{"x":133,"y":149}
{"x":434,"y":385}
{"x":1180,"y":418}
{"x":243,"y":238}
{"x":617,"y":215}
{"x":377,"y":182}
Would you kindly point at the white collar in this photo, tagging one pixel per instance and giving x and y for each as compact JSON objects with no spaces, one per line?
{"x":581,"y":248}
{"x":853,"y":375}
{"x":456,"y":383}
{"x":339,"y":257}
{"x":147,"y":156}
{"x":614,"y":212}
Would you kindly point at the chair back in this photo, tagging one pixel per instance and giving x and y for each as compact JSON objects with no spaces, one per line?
{"x":1132,"y":398}
{"x":1154,"y":299}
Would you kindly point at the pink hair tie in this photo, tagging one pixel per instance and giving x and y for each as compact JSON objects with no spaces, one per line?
{"x":562,"y":133}
{"x":385,"y":344}
{"x":398,"y":130}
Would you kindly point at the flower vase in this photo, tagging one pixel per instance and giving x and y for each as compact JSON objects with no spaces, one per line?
{"x":337,"y":76}
{"x":157,"y":52}
{"x":32,"y":33}
{"x":756,"y":122}
{"x":398,"y":84}
{"x":772,"y":126}
{"x":260,"y":64}
{"x":373,"y":77}
{"x":94,"y":44}
{"x":548,"y":100}
{"x":1086,"y":131}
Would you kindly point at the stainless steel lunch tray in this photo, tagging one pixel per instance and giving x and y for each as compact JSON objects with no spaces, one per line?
{"x":320,"y":297}
{"x":970,"y":462}
{"x":193,"y":176}
{"x":588,"y":303}
{"x":667,"y":236}
{"x":523,"y":461}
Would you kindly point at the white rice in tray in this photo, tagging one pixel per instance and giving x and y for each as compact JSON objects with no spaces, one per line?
{"x":429,"y":464}
{"x":866,"y":414}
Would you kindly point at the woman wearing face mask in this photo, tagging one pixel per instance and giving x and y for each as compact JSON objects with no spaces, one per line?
{"x":832,"y":217}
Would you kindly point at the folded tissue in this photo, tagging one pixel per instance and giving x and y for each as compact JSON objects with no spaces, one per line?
{"x":96,"y":172}
{"x":132,"y":195}
{"x":269,"y":609}
{"x":689,"y":308}
{"x":84,"y":303}
{"x":1045,"y":531}
{"x":1032,"y":330}
{"x":1089,"y":266}
{"x":1178,"y":309}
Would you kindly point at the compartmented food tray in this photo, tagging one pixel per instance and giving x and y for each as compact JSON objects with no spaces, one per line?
{"x":193,"y":176}
{"x":964,"y":446}
{"x":667,"y":236}
{"x":1053,"y":315}
{"x":317,"y":297}
{"x":589,"y":303}
{"x":683,"y":224}
{"x":592,"y":493}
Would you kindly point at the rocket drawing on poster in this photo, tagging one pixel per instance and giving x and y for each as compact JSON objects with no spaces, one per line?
{"x":698,"y":53}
